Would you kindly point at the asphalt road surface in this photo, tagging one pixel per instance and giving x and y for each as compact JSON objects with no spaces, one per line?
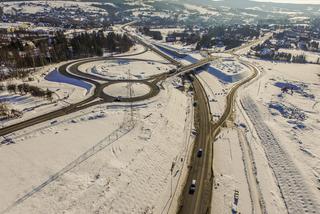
{"x":71,"y":70}
{"x":201,"y":168}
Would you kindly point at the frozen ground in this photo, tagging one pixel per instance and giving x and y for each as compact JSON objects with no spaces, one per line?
{"x":229,"y":66}
{"x":216,"y":92}
{"x":121,"y":89}
{"x":229,"y":175}
{"x":42,"y":6}
{"x":128,"y":165}
{"x":310,"y":56}
{"x":269,"y":155}
{"x":22,"y":102}
{"x":64,"y":94}
{"x":281,"y":118}
{"x":125,"y":69}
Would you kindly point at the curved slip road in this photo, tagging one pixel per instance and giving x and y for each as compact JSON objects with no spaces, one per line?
{"x":71,"y":70}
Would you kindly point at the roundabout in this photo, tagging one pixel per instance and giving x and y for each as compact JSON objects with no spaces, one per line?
{"x":113,"y":90}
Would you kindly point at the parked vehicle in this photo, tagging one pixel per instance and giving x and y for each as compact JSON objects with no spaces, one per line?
{"x":199,"y":153}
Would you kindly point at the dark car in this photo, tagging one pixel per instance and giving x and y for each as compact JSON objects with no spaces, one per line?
{"x":192,"y":188}
{"x":199,"y":153}
{"x":117,"y":99}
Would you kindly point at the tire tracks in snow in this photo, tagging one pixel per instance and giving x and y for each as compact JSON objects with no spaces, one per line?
{"x":292,"y":186}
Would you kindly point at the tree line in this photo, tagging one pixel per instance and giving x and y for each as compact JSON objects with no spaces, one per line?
{"x":152,"y":33}
{"x":228,"y":36}
{"x":24,"y":89}
{"x":41,"y":52}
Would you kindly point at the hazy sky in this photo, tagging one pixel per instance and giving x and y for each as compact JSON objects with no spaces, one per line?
{"x":292,"y":1}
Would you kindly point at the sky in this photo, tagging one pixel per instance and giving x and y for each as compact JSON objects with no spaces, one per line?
{"x":292,"y":1}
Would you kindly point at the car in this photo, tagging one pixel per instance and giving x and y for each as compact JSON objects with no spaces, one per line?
{"x":199,"y":153}
{"x":192,"y":188}
{"x":54,"y":122}
{"x":117,"y":99}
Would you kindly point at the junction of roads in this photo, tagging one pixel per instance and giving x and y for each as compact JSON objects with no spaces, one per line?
{"x":201,"y":170}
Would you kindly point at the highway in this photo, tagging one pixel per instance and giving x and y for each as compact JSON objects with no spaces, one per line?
{"x":201,"y":168}
{"x":200,"y":201}
{"x":71,"y":70}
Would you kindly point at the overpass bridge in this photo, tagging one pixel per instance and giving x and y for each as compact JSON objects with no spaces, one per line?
{"x":181,"y":68}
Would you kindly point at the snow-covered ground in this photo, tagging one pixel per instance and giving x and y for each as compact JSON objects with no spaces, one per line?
{"x":43,"y":6}
{"x":121,"y":89}
{"x":125,"y":69}
{"x":229,"y":66}
{"x":66,"y":91}
{"x":229,"y":173}
{"x":281,"y":118}
{"x":202,"y":10}
{"x":216,"y":92}
{"x":312,"y":57}
{"x":128,"y":165}
{"x":269,"y":155}
{"x":22,"y":102}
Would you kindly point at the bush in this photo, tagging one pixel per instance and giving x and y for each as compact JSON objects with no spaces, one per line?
{"x":12,"y":88}
{"x":33,"y":90}
{"x":2,"y":87}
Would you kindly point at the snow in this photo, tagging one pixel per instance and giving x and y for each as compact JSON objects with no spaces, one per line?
{"x":229,"y":174}
{"x":228,"y":70}
{"x":282,"y":125}
{"x":310,"y":56}
{"x":125,"y":68}
{"x":268,"y":152}
{"x":22,"y":102}
{"x":216,"y":92}
{"x":291,"y":182}
{"x":201,"y":10}
{"x":291,"y":1}
{"x":64,"y":95}
{"x":121,"y":90}
{"x":55,"y":76}
{"x":42,"y":6}
{"x":127,"y":158}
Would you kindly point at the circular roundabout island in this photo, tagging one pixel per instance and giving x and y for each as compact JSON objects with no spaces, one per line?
{"x":129,"y":91}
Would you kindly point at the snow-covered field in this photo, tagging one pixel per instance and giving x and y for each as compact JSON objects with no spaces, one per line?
{"x":121,"y":89}
{"x":312,"y":57}
{"x":125,"y":69}
{"x":201,"y":10}
{"x":42,"y":6}
{"x":270,"y":155}
{"x":216,"y":92}
{"x":229,"y":175}
{"x":128,"y":165}
{"x":281,"y":118}
{"x":229,"y":66}
{"x":66,"y":91}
